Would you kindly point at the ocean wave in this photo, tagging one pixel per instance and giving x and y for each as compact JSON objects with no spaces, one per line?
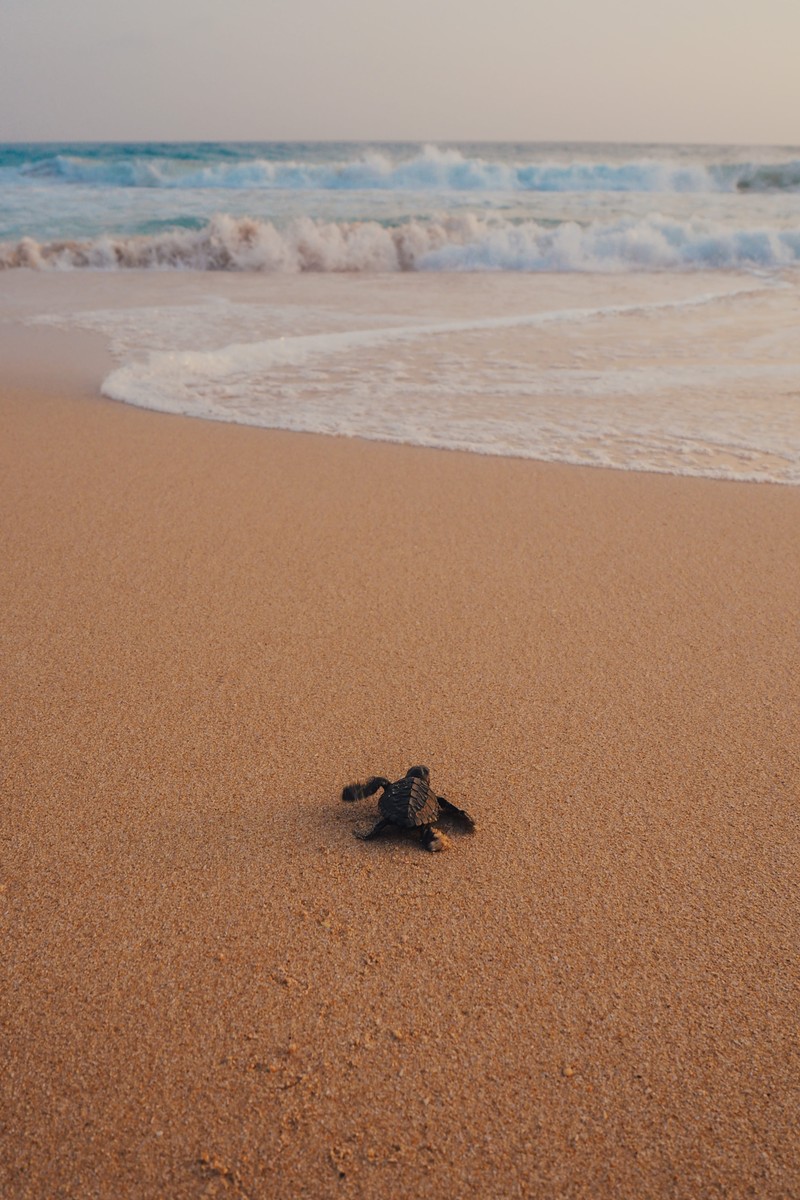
{"x":432,"y":169}
{"x":462,"y":243}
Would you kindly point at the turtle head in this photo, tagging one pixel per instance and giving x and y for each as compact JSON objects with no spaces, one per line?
{"x":418,"y":773}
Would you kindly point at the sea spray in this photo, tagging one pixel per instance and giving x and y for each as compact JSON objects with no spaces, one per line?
{"x":458,"y":243}
{"x":477,"y":168}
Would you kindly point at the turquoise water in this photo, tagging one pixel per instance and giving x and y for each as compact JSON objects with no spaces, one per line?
{"x":625,"y":306}
{"x":379,"y":206}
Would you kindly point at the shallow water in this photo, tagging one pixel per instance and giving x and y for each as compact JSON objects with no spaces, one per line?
{"x":625,"y":306}
{"x":696,"y":375}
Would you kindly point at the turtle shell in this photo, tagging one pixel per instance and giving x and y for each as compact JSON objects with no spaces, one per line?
{"x":409,"y":803}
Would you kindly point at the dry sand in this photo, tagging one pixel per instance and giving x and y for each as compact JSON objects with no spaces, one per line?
{"x":209,"y":987}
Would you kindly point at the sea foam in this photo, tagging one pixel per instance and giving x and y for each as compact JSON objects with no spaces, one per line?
{"x":456,"y":243}
{"x":672,"y":379}
{"x":479,"y":385}
{"x":433,"y":168}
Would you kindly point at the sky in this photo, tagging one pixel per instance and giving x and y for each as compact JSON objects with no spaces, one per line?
{"x":517,"y":70}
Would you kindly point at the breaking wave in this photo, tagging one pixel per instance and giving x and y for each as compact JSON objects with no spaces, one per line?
{"x":459,"y":243}
{"x":432,"y":168}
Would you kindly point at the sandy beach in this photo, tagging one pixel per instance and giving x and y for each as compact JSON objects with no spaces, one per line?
{"x":209,"y":987}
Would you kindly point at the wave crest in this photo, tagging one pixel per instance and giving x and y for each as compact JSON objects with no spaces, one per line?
{"x":464,"y":243}
{"x":434,"y":168}
{"x":229,"y":243}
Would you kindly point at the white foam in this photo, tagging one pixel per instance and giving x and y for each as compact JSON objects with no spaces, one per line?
{"x":457,"y":243}
{"x":166,"y":377}
{"x":702,"y":384}
{"x":482,"y":385}
{"x":433,"y":168}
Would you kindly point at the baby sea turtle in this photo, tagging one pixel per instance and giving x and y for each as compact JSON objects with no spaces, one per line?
{"x":410,"y":803}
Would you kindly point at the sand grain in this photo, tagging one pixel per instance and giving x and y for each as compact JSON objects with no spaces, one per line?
{"x":209,"y":987}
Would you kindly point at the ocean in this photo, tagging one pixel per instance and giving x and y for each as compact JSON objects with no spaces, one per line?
{"x":611,"y":305}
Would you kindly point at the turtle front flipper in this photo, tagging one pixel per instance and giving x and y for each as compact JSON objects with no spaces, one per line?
{"x":376,"y":829}
{"x":360,"y":791}
{"x":453,"y":811}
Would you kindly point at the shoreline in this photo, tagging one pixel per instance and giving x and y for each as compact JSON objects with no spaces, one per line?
{"x":210,"y":987}
{"x":707,"y":400}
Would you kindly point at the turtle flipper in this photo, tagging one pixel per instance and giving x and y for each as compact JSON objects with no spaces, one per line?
{"x":360,"y":791}
{"x":376,"y":829}
{"x":433,"y":839}
{"x":453,"y":811}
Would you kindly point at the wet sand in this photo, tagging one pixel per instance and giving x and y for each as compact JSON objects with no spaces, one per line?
{"x":210,"y":988}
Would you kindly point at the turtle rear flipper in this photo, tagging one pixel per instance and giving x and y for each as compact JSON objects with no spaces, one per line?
{"x":433,"y":839}
{"x":377,"y":828}
{"x":453,"y":811}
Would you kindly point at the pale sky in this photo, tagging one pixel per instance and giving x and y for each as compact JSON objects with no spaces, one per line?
{"x":616,"y":70}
